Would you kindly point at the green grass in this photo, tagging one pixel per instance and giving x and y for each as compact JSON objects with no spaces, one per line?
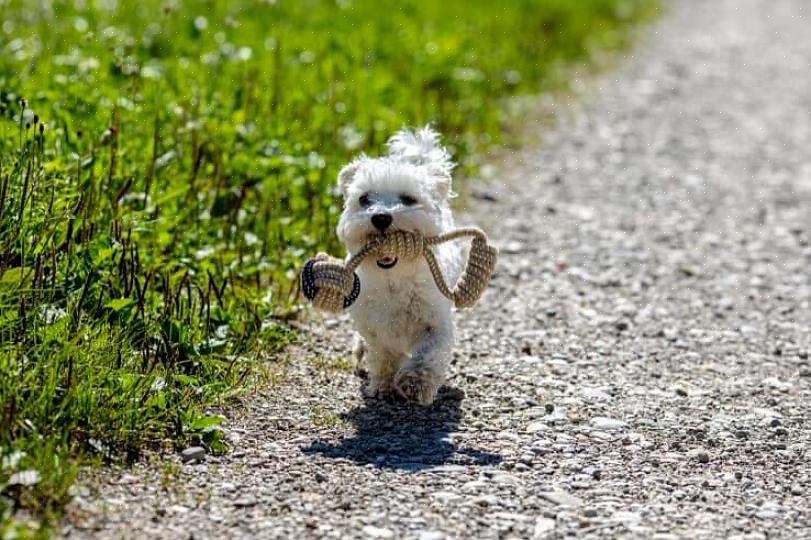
{"x":165,"y":166}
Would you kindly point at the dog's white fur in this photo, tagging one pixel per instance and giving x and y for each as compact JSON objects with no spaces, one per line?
{"x":405,"y":324}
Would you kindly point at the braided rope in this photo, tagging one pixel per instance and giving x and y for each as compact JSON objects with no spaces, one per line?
{"x":333,"y":285}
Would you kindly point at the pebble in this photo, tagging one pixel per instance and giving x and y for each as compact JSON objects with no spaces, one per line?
{"x":504,"y":479}
{"x":512,"y":248}
{"x":446,"y":496}
{"x":178,"y":509}
{"x":431,"y":535}
{"x":527,"y":459}
{"x":608,"y":424}
{"x":508,"y":436}
{"x":701,"y":456}
{"x":594,"y":394}
{"x":246,"y":501}
{"x":377,"y":532}
{"x":193,"y":453}
{"x":544,"y":525}
{"x":626,"y":517}
{"x":449,"y":469}
{"x":561,"y":498}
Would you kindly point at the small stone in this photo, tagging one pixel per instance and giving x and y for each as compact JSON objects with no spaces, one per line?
{"x":129,"y":478}
{"x":432,"y":535}
{"x":377,"y":532}
{"x":449,"y":469}
{"x":702,"y":456}
{"x":512,"y":248}
{"x":777,"y":384}
{"x":527,"y":459}
{"x":504,"y":479}
{"x":484,"y":194}
{"x":797,"y":491}
{"x":193,"y":453}
{"x":590,"y":512}
{"x":607,"y":424}
{"x":626,"y":517}
{"x":543,"y":525}
{"x":486,"y":500}
{"x":78,"y":490}
{"x":246,"y":501}
{"x":539,"y":450}
{"x":594,"y":394}
{"x":561,"y":498}
{"x":535,"y":427}
{"x":446,"y":496}
{"x":508,"y":436}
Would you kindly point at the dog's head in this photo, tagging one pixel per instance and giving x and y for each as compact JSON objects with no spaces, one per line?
{"x":393,"y":192}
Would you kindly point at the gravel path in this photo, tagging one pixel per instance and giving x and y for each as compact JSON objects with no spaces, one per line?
{"x":639,"y":368}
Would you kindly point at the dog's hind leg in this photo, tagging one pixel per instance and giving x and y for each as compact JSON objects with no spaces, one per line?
{"x":421,"y":375}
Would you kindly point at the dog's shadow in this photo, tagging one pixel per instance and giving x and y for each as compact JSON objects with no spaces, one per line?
{"x":399,"y":435}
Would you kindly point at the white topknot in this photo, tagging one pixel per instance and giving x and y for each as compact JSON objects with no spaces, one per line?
{"x":420,"y":147}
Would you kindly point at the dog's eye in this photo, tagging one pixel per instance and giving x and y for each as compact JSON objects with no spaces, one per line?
{"x":408,"y":200}
{"x":364,"y":200}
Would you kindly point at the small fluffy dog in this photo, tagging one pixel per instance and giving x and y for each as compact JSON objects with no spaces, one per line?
{"x":405,"y":324}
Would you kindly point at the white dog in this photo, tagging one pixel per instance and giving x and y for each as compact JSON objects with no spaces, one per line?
{"x":405,"y":324}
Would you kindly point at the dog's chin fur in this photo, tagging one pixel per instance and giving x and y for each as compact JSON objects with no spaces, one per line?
{"x":405,"y":325}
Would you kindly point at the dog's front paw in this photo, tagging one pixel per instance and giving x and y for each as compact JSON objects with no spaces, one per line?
{"x":375,"y":389}
{"x":415,"y":385}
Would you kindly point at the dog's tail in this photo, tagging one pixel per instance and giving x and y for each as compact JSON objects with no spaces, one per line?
{"x":420,"y":147}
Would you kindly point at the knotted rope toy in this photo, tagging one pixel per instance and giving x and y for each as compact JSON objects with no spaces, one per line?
{"x":332,"y":284}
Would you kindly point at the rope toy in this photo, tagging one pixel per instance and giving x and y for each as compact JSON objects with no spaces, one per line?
{"x":332,"y":284}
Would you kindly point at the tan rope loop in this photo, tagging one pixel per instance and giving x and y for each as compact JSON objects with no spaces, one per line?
{"x":332,"y":285}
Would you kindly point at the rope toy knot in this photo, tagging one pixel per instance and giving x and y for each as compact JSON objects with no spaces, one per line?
{"x":328,"y":284}
{"x":332,"y":284}
{"x":405,"y":244}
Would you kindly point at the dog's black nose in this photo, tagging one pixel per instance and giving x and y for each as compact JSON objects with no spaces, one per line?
{"x":381,"y":221}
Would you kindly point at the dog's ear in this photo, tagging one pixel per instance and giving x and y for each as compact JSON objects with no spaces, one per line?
{"x":442,"y":179}
{"x":347,"y":174}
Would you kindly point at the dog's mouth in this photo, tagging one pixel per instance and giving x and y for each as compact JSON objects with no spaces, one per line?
{"x":387,"y":262}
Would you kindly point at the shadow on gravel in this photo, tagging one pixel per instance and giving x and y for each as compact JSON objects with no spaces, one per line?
{"x":405,"y":437}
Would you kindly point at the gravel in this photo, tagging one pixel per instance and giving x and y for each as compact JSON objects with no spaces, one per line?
{"x":639,"y":367}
